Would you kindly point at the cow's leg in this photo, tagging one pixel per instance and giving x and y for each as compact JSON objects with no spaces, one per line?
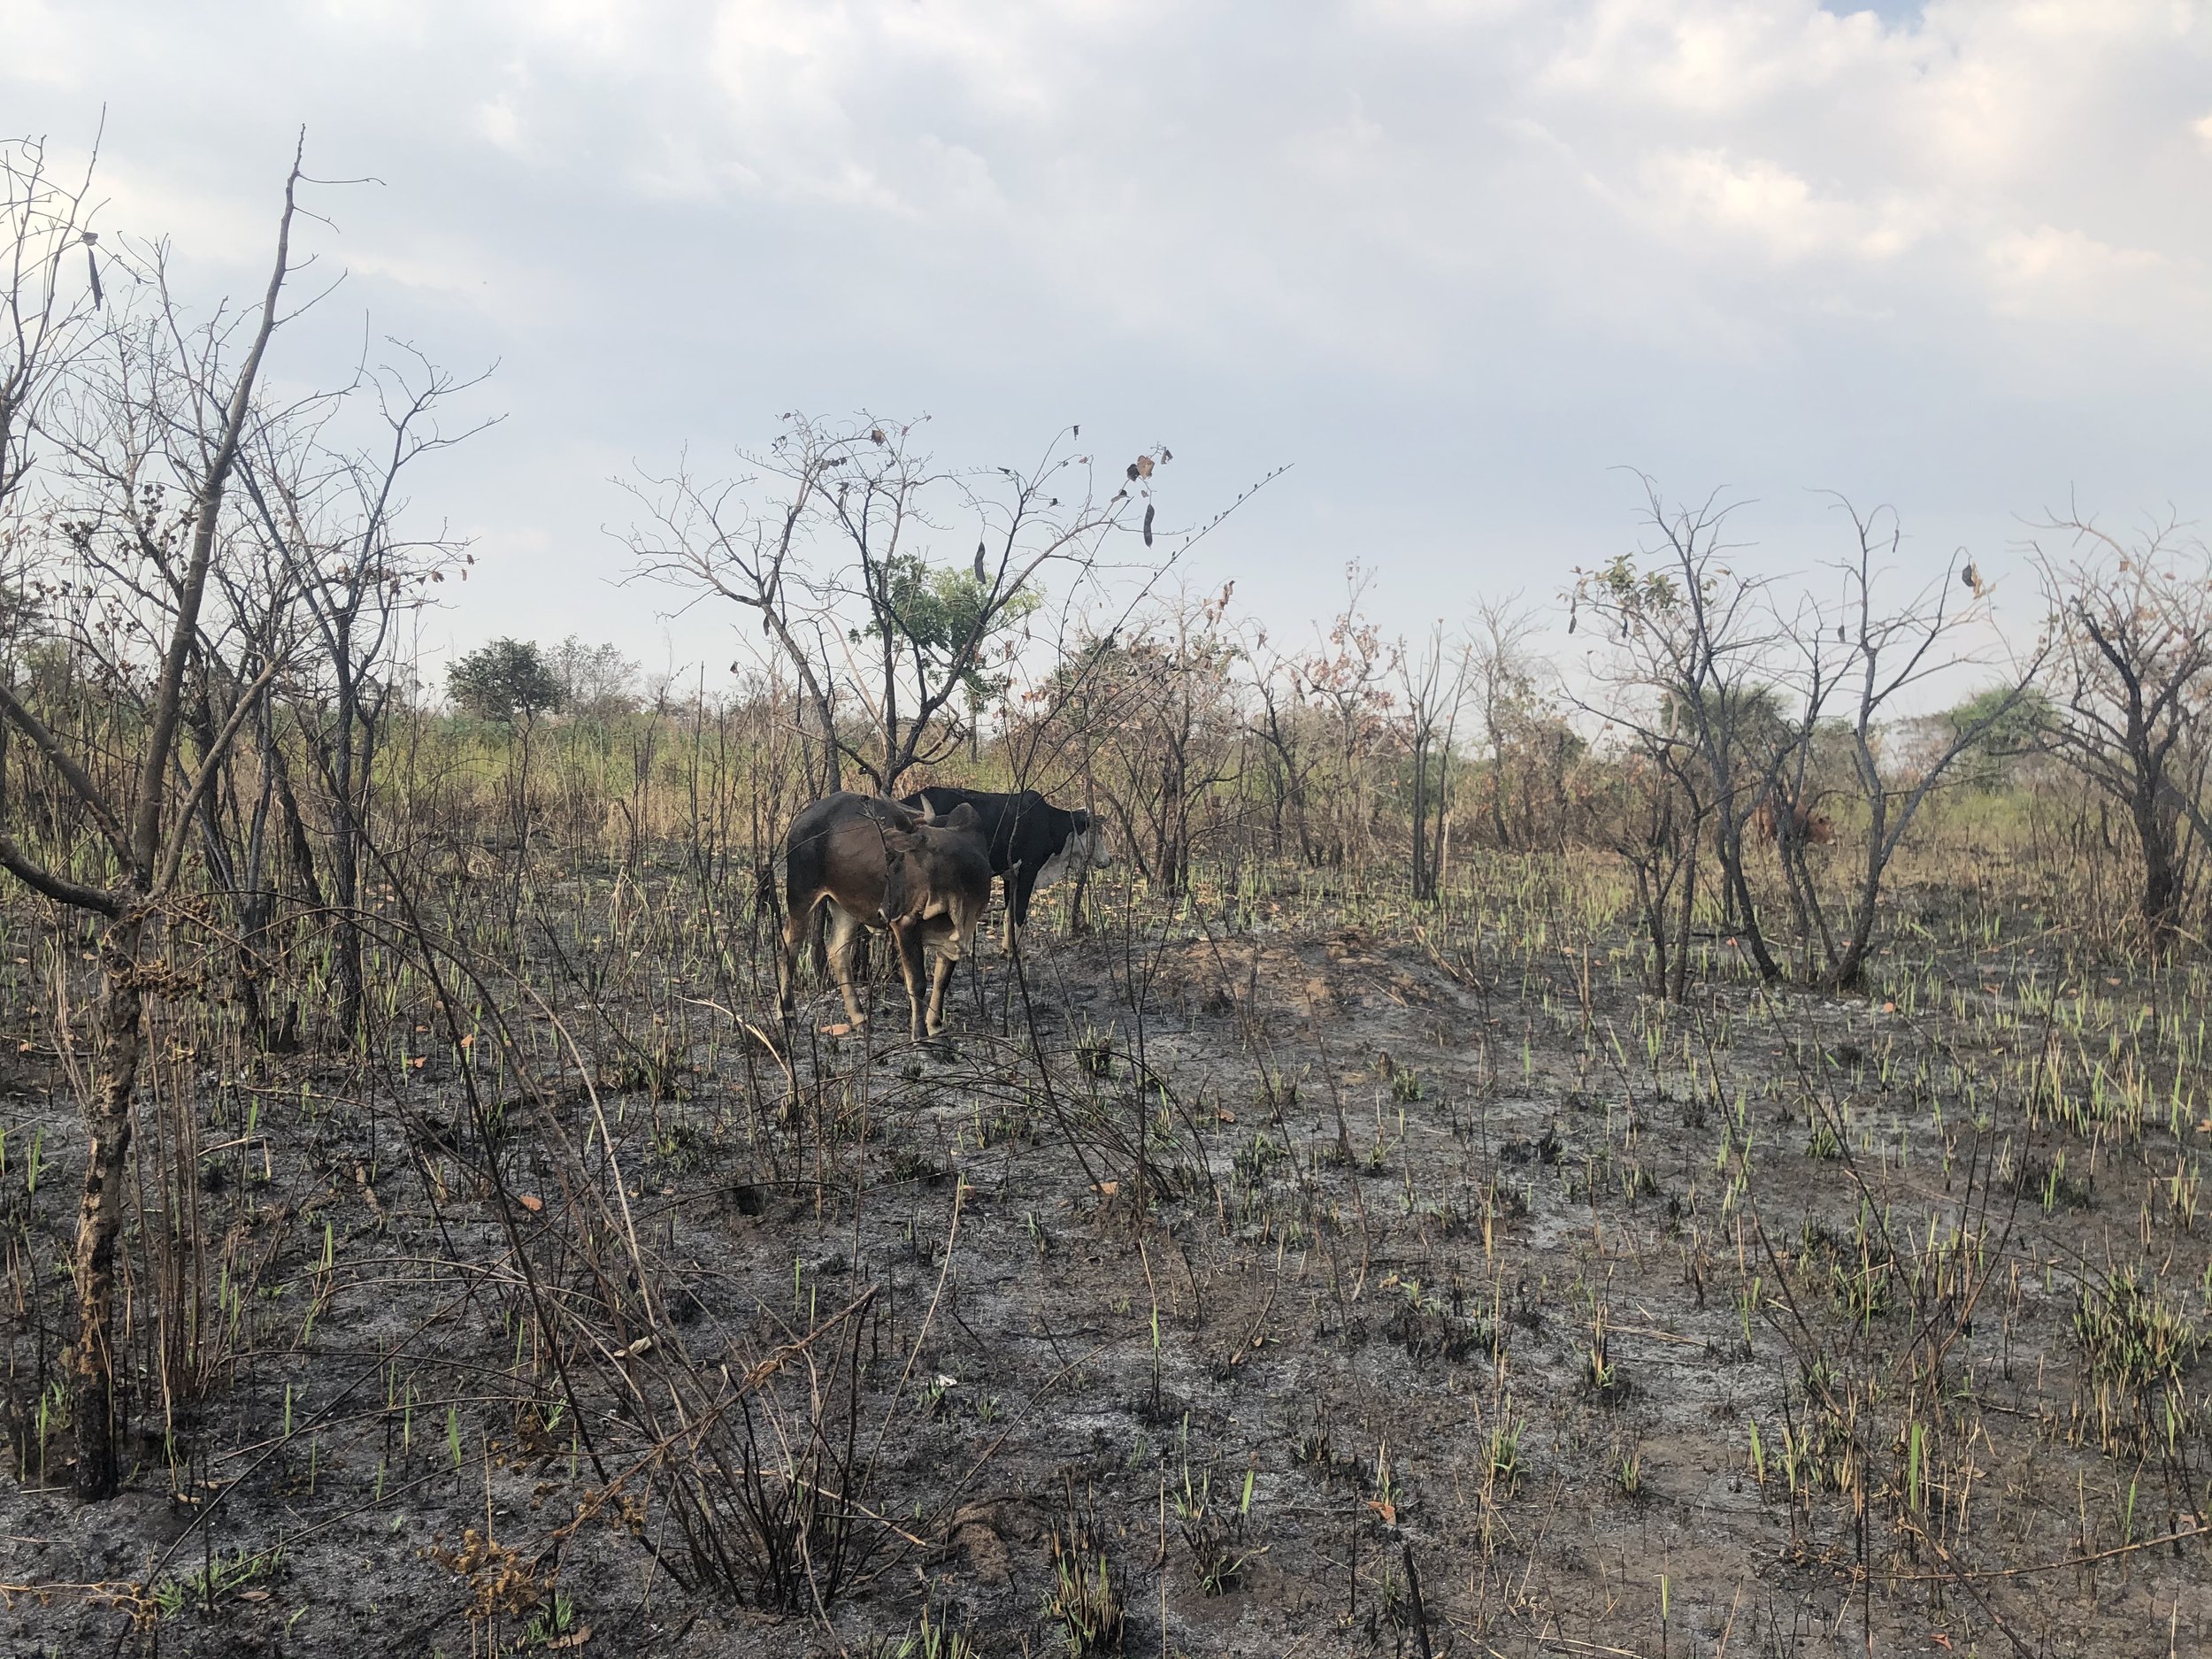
{"x":797,"y":918}
{"x":906,"y":939}
{"x":845,"y":929}
{"x":1020,"y":882}
{"x":952,"y":945}
{"x":939,"y":978}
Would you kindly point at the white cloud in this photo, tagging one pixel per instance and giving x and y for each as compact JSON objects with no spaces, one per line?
{"x":1766,"y":206}
{"x":1508,"y":241}
{"x":44,"y":45}
{"x":501,"y":125}
{"x":2050,"y":273}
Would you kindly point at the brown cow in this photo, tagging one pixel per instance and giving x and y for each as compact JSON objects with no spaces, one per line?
{"x":1807,"y":828}
{"x":880,"y":866}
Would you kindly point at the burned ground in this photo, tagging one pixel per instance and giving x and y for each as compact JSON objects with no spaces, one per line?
{"x":1288,"y":1269}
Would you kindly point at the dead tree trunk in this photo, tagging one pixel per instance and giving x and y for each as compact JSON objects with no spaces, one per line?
{"x":100,"y":1213}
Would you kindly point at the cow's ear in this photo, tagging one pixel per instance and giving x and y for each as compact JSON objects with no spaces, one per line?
{"x":963,"y":817}
{"x":1082,"y":822}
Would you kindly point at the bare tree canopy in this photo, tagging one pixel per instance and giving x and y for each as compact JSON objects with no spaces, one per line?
{"x":2130,"y":637}
{"x":841,"y":538}
{"x":1761,"y":704}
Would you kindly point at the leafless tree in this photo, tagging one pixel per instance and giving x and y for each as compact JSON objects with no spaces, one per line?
{"x":2130,"y":638}
{"x":1759,"y":682}
{"x":931,"y":654}
{"x":1289,"y":757}
{"x":1345,"y":678}
{"x":1686,"y":654}
{"x":835,"y":540}
{"x":1174,"y":731}
{"x":1503,"y":678}
{"x":328,"y":508}
{"x":199,"y":392}
{"x":1653,"y":813}
{"x":1863,"y":660}
{"x":1435,"y":688}
{"x":598,"y":681}
{"x":747,"y":539}
{"x":47,"y":311}
{"x":240,"y":823}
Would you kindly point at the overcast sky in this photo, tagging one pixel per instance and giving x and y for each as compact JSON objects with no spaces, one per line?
{"x":1455,"y":263}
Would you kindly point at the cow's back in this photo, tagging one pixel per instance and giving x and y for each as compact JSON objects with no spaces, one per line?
{"x":831,"y":834}
{"x":1006,"y":820}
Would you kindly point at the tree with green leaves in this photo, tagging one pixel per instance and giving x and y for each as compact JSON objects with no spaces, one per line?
{"x":505,"y":680}
{"x":2002,"y":726}
{"x":933,"y":612}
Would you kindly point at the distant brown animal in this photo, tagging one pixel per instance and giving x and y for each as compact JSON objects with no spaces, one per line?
{"x":1807,"y":828}
{"x":880,"y":866}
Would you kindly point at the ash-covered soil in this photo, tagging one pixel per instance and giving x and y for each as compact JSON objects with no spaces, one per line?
{"x":1324,"y":1280}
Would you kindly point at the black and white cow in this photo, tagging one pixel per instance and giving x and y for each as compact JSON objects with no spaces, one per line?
{"x":1032,"y":842}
